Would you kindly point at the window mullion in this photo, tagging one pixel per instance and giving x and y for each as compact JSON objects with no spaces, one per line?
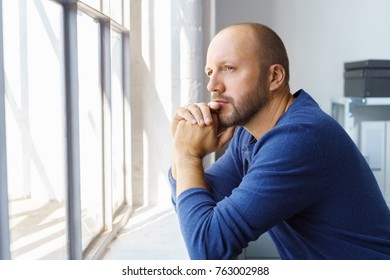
{"x":127,"y":117}
{"x":107,"y":134}
{"x":4,"y":215}
{"x":73,"y":137}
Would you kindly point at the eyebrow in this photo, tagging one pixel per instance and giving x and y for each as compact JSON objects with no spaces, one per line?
{"x":224,"y":62}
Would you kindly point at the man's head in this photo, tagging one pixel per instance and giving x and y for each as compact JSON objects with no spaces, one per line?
{"x":270,"y":47}
{"x":246,"y":64}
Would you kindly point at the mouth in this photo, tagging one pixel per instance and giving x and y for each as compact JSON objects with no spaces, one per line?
{"x":221,"y":102}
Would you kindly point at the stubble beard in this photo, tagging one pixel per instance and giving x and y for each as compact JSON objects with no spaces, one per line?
{"x":250,"y":104}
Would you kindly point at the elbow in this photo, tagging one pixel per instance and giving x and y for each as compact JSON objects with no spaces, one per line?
{"x":209,"y":241}
{"x":214,"y":250}
{"x":210,"y":233}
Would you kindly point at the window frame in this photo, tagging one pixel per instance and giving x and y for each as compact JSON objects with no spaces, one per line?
{"x":5,"y":252}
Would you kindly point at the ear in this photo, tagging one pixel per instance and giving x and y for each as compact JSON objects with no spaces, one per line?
{"x":277,"y":75}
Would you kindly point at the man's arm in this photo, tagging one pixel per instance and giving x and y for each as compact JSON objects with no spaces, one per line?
{"x":191,"y":143}
{"x":196,"y":134}
{"x":198,"y":113}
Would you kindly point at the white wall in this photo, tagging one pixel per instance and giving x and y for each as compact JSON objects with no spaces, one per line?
{"x":319,"y":36}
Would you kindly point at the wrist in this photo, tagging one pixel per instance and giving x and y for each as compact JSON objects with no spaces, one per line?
{"x":187,"y":154}
{"x":189,"y":173}
{"x":187,"y":157}
{"x":182,"y":158}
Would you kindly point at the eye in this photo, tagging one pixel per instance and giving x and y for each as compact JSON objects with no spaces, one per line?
{"x":228,"y":68}
{"x":209,"y":72}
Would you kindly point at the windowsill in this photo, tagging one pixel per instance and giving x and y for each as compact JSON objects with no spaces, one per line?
{"x":152,"y":233}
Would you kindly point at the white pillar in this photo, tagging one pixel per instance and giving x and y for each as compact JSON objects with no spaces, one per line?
{"x":191,"y":52}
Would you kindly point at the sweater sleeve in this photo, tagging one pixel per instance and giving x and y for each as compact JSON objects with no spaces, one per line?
{"x":230,"y":166}
{"x":172,"y":182}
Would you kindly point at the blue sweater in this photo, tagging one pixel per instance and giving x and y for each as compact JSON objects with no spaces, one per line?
{"x":304,"y":181}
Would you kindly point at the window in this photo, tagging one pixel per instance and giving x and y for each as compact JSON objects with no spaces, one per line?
{"x":35,"y":128}
{"x":91,"y":127}
{"x":64,"y":112}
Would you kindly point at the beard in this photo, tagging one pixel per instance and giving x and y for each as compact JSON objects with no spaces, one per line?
{"x":250,"y":103}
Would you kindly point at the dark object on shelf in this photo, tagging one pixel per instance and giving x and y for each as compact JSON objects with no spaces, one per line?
{"x":368,"y":78}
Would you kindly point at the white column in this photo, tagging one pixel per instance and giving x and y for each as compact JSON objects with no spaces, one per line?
{"x":191,"y":52}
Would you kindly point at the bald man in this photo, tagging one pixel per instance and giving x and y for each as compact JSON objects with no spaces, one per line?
{"x":289,"y":170}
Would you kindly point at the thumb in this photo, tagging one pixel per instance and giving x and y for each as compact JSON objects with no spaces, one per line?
{"x":225,"y":136}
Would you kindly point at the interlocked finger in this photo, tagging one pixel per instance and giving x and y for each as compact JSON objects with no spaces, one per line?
{"x":200,"y":113}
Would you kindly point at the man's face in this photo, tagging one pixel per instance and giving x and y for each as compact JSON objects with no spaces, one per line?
{"x":236,"y":81}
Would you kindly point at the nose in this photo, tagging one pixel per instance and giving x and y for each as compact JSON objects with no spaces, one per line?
{"x":215,"y":83}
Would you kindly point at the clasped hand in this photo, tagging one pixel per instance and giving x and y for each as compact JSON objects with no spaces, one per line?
{"x":196,"y":130}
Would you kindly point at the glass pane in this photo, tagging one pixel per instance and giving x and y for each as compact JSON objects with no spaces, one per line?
{"x":116,"y":10}
{"x":117,"y":120}
{"x":35,"y":128}
{"x":91,"y":146}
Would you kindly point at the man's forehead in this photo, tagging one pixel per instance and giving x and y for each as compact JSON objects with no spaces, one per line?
{"x":234,"y":32}
{"x":233,"y":40}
